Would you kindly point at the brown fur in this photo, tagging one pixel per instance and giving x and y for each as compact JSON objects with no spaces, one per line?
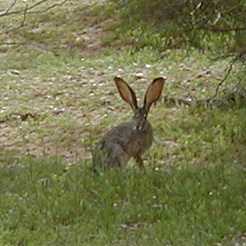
{"x":130,"y":139}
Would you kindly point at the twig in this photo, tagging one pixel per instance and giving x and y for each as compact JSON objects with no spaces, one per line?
{"x":229,"y":69}
{"x":48,"y":8}
{"x":20,"y":11}
{"x":22,"y":23}
{"x":31,"y":7}
{"x":8,"y":9}
{"x":190,"y":102}
{"x":27,"y":10}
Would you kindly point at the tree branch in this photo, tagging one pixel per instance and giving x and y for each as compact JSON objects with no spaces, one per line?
{"x":8,"y":9}
{"x":27,"y":10}
{"x":22,"y":22}
{"x":7,"y":13}
{"x":49,"y":8}
{"x":229,"y":69}
{"x":31,"y":7}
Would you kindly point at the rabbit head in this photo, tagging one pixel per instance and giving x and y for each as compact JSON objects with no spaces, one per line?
{"x":152,"y":94}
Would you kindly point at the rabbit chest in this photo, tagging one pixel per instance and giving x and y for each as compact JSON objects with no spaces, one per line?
{"x":132,"y":140}
{"x":139,"y":142}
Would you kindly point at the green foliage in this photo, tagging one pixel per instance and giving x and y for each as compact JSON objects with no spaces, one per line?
{"x":201,"y":24}
{"x":46,"y":202}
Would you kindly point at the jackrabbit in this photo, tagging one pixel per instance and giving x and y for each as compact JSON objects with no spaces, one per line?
{"x":132,"y":138}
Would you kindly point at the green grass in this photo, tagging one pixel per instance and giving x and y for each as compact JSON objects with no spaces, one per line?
{"x":58,"y":99}
{"x":44,"y":202}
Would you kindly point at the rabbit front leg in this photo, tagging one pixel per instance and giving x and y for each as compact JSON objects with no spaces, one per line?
{"x":139,"y":161}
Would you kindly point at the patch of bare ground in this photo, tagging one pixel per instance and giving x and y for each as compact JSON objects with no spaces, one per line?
{"x":52,"y":117}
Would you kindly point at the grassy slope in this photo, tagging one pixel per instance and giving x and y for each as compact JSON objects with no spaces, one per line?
{"x":58,"y":86}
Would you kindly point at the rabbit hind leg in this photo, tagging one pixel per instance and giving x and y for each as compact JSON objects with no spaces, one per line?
{"x":117,"y":156}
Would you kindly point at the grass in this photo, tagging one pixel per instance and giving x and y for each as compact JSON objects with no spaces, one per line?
{"x":48,"y":203}
{"x":58,"y":99}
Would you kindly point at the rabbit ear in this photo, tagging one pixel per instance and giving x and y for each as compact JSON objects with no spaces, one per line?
{"x":153,"y":92}
{"x":126,"y":92}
